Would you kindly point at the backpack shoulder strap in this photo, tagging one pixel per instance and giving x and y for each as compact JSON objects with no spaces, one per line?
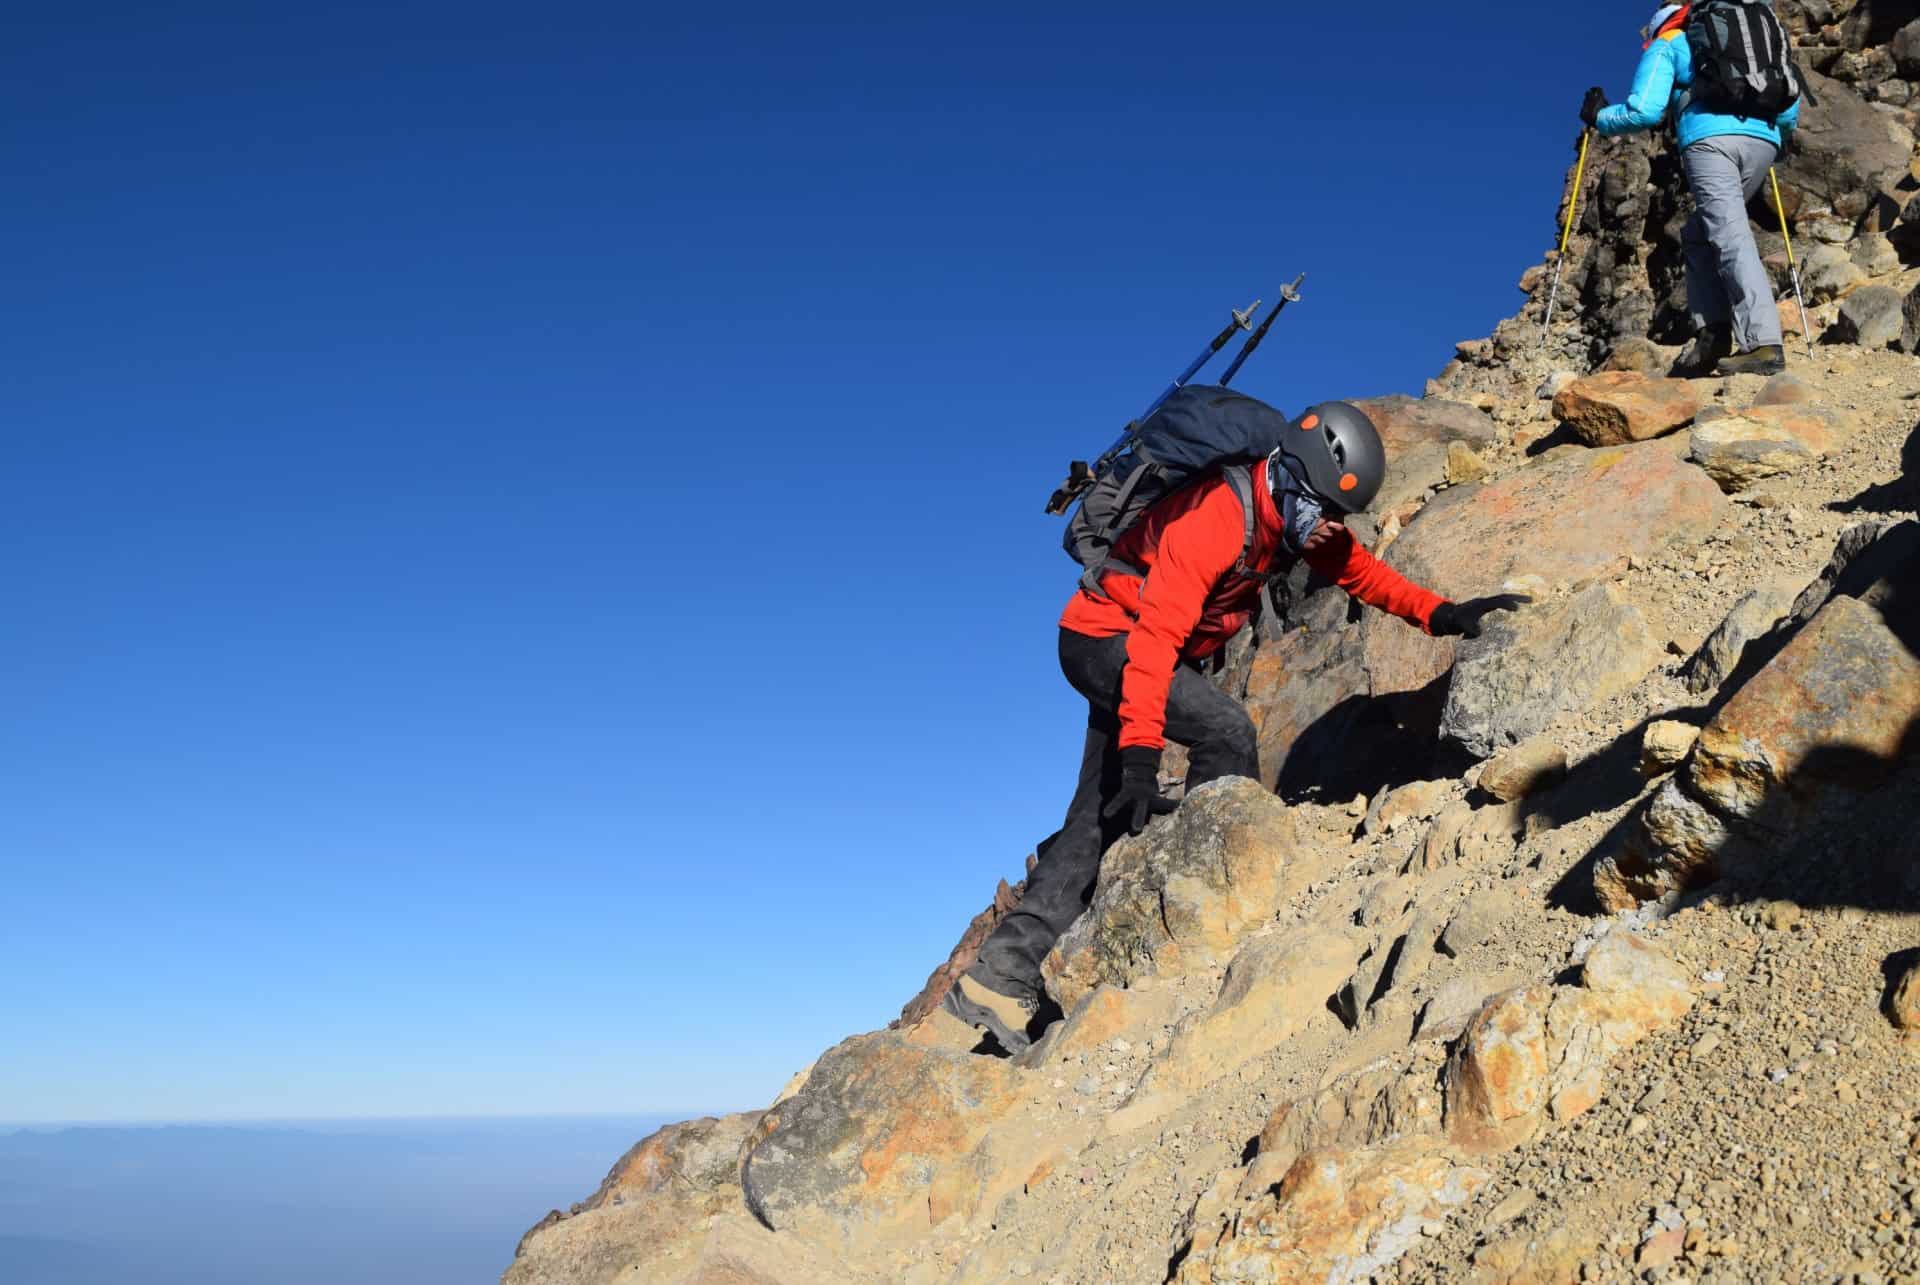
{"x":1240,"y":478}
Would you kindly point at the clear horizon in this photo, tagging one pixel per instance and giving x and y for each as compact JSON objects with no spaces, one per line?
{"x":425,"y":1203}
{"x":298,"y":1122}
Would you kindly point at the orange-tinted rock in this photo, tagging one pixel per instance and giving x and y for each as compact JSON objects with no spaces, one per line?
{"x":1829,"y":716}
{"x":1109,"y":1012}
{"x":1619,"y":406}
{"x":651,"y":1209}
{"x":1339,"y":1215}
{"x":1418,"y":432}
{"x":858,"y":1153}
{"x":1903,"y":1005}
{"x":1574,"y":518}
{"x":1832,"y":710}
{"x":1540,"y":1054}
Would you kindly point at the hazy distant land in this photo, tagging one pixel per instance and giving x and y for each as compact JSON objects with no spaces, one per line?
{"x":380,"y":1202}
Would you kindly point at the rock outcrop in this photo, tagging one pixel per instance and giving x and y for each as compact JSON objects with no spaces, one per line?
{"x":1579,"y":950}
{"x":1828,"y":717}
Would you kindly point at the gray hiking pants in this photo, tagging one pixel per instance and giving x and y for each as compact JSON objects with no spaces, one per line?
{"x":1726,"y":281}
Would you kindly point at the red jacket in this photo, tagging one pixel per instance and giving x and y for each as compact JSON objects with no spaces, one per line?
{"x":1190,"y":602}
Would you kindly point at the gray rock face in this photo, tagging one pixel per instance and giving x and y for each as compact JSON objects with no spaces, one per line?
{"x":1905,"y":48}
{"x":1533,"y":665}
{"x":1875,"y":255}
{"x":1909,"y":338}
{"x":1870,"y":317}
{"x":1829,"y":272}
{"x":1750,"y":618}
{"x":1477,"y":920}
{"x":1846,"y":153}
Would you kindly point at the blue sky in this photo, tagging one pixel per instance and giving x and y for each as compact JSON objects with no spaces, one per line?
{"x":528,"y":588}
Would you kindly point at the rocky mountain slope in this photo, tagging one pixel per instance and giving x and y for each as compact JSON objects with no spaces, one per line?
{"x":1581,"y":951}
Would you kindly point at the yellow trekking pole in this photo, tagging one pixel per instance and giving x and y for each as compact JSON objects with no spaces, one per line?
{"x":1566,"y":231}
{"x":1793,"y":269}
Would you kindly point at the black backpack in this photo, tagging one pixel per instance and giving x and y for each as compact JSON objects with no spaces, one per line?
{"x":1203,"y":430}
{"x":1741,"y":63}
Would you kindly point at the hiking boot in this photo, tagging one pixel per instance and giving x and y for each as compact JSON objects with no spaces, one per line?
{"x":1768,"y":359}
{"x":1706,"y":351}
{"x":1004,"y":1016}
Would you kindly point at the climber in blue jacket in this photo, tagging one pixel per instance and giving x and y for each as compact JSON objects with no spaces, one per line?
{"x":1726,"y":158}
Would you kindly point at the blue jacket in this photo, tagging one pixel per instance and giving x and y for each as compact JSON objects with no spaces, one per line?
{"x":1666,"y":69}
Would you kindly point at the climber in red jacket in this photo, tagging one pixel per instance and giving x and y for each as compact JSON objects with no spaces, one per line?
{"x":1183,"y":589}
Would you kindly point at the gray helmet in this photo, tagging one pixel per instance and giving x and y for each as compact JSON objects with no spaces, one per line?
{"x":1340,"y":453}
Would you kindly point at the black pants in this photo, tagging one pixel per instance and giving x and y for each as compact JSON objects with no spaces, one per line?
{"x":1220,"y":742}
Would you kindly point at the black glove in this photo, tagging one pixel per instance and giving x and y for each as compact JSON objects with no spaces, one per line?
{"x":1590,"y":106}
{"x":1786,"y":141}
{"x":1139,"y":788}
{"x":1462,"y":619}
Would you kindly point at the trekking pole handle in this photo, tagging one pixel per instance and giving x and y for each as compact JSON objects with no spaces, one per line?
{"x":1288,"y":294}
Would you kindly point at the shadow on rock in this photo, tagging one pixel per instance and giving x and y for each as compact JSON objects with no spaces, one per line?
{"x":1902,"y":495}
{"x":1365,"y":744}
{"x":1802,"y":785}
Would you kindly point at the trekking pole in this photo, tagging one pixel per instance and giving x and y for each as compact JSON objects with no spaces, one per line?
{"x":1242,"y":320}
{"x":1793,"y":269}
{"x":1080,"y":475}
{"x":1566,"y":232}
{"x":1288,"y":294}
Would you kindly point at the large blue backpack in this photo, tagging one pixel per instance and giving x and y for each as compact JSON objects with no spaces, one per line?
{"x":1201,"y":431}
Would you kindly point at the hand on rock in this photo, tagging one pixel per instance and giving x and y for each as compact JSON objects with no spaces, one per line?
{"x":1463,"y":619}
{"x":1590,"y":106}
{"x":1139,"y":799}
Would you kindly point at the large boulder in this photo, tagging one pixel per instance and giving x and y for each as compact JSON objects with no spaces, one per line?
{"x":647,"y":1215}
{"x":1417,"y":432}
{"x":1617,"y":406}
{"x":1829,"y":272}
{"x":1909,"y":339}
{"x":1533,"y":665}
{"x":1740,"y":449}
{"x":1832,"y":711}
{"x":1870,"y":317}
{"x":1181,"y":895}
{"x":1307,"y":693}
{"x":1539,"y":1055}
{"x":1846,"y":154}
{"x":1827,"y":718}
{"x":1571,"y":519}
{"x":858,"y":1154}
{"x":1757,"y":612}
